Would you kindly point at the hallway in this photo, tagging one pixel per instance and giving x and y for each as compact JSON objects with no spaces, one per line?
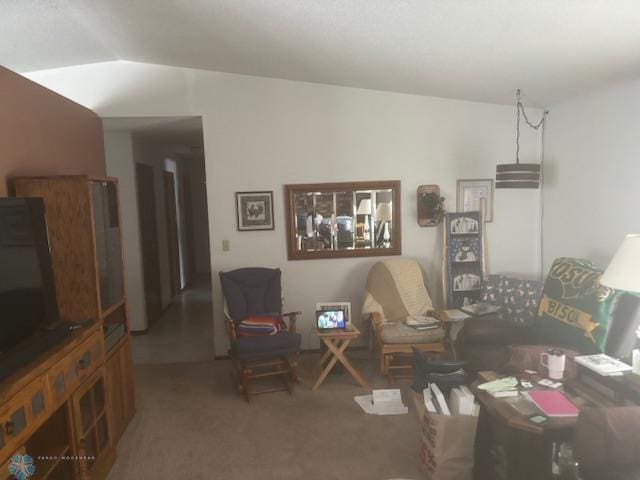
{"x":184,"y":333}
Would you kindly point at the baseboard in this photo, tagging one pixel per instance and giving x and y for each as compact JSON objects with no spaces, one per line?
{"x":303,"y":352}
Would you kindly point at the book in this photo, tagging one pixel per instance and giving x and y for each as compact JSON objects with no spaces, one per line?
{"x":505,"y":393}
{"x":603,"y":364}
{"x":552,"y":403}
{"x":455,"y":315}
{"x":479,"y":309}
{"x":440,"y":402}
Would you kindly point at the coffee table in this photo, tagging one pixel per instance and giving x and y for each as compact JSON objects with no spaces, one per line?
{"x":509,"y":445}
{"x":337,"y":342}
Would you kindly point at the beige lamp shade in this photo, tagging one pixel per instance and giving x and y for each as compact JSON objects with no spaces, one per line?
{"x":365,"y":207}
{"x":383,"y":212}
{"x":623,"y":272}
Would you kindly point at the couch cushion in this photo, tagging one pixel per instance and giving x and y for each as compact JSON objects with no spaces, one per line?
{"x":575,"y":309}
{"x":401,"y":333}
{"x":282,"y":343}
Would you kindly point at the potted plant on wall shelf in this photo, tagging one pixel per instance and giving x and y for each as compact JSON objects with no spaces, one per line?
{"x":430,"y":205}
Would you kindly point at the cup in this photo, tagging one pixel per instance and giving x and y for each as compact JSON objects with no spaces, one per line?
{"x":554,"y":361}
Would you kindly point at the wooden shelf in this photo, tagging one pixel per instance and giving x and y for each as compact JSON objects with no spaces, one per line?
{"x":112,"y":308}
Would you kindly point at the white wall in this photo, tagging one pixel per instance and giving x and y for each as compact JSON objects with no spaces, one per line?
{"x":592,"y":174}
{"x":119,"y":160}
{"x":263,"y":133}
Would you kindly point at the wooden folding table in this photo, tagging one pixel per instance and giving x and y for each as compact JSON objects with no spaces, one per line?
{"x":337,"y":342}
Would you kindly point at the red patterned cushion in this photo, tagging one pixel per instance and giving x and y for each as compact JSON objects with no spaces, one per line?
{"x":256,"y":326}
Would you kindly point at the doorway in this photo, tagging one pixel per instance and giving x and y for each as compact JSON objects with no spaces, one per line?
{"x":170,"y":235}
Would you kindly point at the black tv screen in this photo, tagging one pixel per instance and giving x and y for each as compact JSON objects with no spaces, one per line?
{"x":27,"y":290}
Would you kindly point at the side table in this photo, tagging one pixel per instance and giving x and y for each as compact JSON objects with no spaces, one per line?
{"x":337,"y":342}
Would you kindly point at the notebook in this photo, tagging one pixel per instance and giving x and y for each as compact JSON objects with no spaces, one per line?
{"x":552,"y":403}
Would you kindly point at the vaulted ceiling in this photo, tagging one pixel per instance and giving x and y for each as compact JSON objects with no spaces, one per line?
{"x":478,"y":50}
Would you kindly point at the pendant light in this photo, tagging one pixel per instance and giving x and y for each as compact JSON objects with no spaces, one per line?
{"x":521,"y":175}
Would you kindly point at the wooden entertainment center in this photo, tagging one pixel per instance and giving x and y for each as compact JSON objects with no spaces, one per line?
{"x":68,"y":408}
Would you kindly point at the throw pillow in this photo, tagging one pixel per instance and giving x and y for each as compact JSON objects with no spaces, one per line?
{"x":575,"y":310}
{"x":256,"y":326}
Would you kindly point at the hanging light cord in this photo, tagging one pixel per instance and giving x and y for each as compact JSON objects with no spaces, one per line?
{"x":520,"y":109}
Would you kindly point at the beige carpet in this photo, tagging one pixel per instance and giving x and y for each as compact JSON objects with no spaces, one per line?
{"x":190,"y":424}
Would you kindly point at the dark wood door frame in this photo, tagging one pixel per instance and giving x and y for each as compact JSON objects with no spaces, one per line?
{"x":171,"y":213}
{"x":149,"y":242}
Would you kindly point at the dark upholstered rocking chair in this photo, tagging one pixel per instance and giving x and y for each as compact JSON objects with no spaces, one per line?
{"x":251,"y":292}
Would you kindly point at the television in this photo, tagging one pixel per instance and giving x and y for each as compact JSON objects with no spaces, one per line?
{"x":28,"y":303}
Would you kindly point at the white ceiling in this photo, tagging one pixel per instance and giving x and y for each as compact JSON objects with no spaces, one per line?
{"x":479,"y":50}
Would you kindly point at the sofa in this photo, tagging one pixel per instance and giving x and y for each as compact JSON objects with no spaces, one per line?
{"x":491,"y":342}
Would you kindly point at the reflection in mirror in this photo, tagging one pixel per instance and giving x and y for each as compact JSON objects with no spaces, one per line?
{"x":343,"y":219}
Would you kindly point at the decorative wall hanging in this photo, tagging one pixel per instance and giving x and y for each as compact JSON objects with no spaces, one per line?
{"x":521,"y":175}
{"x":463,"y":258}
{"x":430,"y":205}
{"x":471,"y":194}
{"x":254,"y":210}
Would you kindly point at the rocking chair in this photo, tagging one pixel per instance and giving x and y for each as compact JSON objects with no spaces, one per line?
{"x":256,"y":292}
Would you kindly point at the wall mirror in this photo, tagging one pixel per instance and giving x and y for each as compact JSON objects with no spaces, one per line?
{"x":350,"y":219}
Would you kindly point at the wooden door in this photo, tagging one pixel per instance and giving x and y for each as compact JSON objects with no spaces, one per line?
{"x":188,"y":225}
{"x":149,"y":242}
{"x":172,"y":232}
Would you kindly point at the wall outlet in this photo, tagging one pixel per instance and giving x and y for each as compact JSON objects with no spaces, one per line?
{"x":225,"y":246}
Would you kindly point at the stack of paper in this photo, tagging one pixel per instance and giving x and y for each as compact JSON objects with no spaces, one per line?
{"x":502,"y":387}
{"x":382,"y":402}
{"x":603,"y":364}
{"x":420,"y":322}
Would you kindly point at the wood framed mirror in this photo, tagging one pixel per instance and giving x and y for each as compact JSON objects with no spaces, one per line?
{"x":339,"y":220}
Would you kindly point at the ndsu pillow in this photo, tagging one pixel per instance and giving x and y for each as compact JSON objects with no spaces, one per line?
{"x":575,"y":310}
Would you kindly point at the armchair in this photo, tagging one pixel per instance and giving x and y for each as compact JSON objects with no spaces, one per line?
{"x":395,"y":290}
{"x":256,"y":292}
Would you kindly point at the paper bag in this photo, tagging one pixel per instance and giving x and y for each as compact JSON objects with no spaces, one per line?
{"x":447,"y":446}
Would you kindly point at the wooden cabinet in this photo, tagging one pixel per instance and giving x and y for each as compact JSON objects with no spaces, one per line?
{"x":56,"y":407}
{"x":83,"y":219}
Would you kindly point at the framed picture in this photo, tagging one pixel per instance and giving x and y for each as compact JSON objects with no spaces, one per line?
{"x":471,"y":193}
{"x":254,"y":210}
{"x":332,"y":306}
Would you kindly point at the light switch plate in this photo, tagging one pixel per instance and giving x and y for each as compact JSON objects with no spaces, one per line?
{"x":225,"y":246}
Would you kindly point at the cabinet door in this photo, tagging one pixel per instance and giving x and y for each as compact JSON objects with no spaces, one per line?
{"x":91,"y":421}
{"x":120,"y":389}
{"x":106,"y":218}
{"x":22,"y":415}
{"x":115,"y":397}
{"x":128,"y":392}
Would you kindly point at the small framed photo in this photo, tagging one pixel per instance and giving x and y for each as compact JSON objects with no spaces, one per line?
{"x":471,"y":193}
{"x":333,"y":306}
{"x":254,"y":210}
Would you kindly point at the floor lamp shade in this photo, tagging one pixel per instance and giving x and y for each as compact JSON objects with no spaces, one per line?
{"x":623,"y":272}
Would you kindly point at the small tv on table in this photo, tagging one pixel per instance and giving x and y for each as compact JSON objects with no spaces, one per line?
{"x":28,"y":307}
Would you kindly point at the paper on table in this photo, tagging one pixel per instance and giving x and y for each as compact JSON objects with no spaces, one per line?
{"x":507,"y":383}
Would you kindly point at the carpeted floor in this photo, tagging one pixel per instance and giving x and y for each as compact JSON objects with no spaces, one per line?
{"x":191,"y":424}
